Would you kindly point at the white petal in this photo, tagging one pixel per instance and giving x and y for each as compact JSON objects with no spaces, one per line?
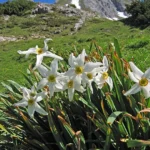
{"x":59,"y":86}
{"x":39,"y":59}
{"x":54,"y":66}
{"x":70,"y":72}
{"x":81,"y":58}
{"x":71,"y":60}
{"x":77,"y":79}
{"x":77,"y":85}
{"x":29,"y":51}
{"x":40,"y":110}
{"x":70,"y":93}
{"x":31,"y":110}
{"x":22,"y":103}
{"x":84,"y":77}
{"x":80,"y":89}
{"x":137,"y":72}
{"x":84,"y":82}
{"x":134,"y":89}
{"x":100,"y":85}
{"x":33,"y":90}
{"x":132,"y":77}
{"x":49,"y":54}
{"x":43,"y":70}
{"x":42,"y":83}
{"x":45,"y":43}
{"x":110,"y":82}
{"x":90,"y":86}
{"x":99,"y":69}
{"x":26,"y":92}
{"x":40,"y":96}
{"x":105,"y":62}
{"x":99,"y":79}
{"x":51,"y":89}
{"x":147,"y":73}
{"x":91,"y":65}
{"x":36,"y":47}
{"x":146,"y":90}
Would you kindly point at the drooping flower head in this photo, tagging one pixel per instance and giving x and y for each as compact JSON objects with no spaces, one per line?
{"x":40,"y":53}
{"x":142,"y":81}
{"x":31,"y":99}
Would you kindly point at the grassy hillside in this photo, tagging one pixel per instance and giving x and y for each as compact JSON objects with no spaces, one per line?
{"x":134,"y":42}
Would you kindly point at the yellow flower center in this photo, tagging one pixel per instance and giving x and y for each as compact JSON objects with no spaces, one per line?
{"x":143,"y":82}
{"x":30,"y":102}
{"x":90,"y":76}
{"x":79,"y":70}
{"x":32,"y":94}
{"x":39,"y":51}
{"x":105,"y":75}
{"x":70,"y":84}
{"x":51,"y":78}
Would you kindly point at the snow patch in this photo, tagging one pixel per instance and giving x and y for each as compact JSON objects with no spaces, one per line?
{"x":76,"y":3}
{"x":122,"y":15}
{"x":115,"y":18}
{"x":109,"y":18}
{"x":112,"y":18}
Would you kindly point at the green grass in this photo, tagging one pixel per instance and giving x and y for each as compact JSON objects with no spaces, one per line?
{"x":133,"y":41}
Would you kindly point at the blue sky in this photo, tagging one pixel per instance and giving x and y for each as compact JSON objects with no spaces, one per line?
{"x":44,"y":1}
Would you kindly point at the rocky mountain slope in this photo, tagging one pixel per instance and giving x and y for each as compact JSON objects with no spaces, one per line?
{"x":111,"y":9}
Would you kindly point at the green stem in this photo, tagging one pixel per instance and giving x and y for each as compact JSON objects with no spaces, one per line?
{"x":53,"y":128}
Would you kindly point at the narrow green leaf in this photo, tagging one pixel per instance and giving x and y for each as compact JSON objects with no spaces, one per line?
{"x":137,"y":143}
{"x":3,"y":128}
{"x":7,"y":87}
{"x":16,"y":87}
{"x":117,"y":47}
{"x":69,"y":130}
{"x":113,"y":117}
{"x":108,"y":137}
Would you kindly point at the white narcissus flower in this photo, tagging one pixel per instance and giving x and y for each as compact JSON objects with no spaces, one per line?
{"x":72,"y":85}
{"x":78,"y":66}
{"x":31,"y":99}
{"x":89,"y":77}
{"x":103,"y":76}
{"x":51,"y":78}
{"x":142,"y":81}
{"x":40,"y":53}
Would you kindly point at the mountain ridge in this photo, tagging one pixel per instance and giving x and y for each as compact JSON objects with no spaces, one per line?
{"x":108,"y":9}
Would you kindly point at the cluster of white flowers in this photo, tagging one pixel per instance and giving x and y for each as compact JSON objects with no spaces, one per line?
{"x":79,"y":76}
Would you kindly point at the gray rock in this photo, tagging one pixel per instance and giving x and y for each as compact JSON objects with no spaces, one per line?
{"x":105,"y":8}
{"x":2,"y":38}
{"x":6,"y":17}
{"x":57,"y":31}
{"x":42,"y":8}
{"x":78,"y":25}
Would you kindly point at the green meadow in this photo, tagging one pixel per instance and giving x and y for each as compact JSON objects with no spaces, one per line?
{"x":76,"y":117}
{"x":134,"y":42}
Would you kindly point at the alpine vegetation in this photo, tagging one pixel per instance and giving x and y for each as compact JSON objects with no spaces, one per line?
{"x":79,"y":103}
